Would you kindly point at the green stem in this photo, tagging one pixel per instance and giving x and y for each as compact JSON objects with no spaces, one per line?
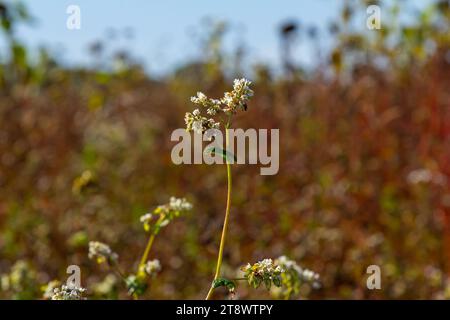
{"x":147,"y":251}
{"x":149,"y":244}
{"x":225,"y":223}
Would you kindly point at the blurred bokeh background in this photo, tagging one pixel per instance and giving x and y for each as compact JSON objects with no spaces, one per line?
{"x":364,"y":119}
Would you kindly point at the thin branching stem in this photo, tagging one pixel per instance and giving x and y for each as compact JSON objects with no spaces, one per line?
{"x":227,"y":216}
{"x":118,"y":270}
{"x":147,"y":251}
{"x":150,"y":241}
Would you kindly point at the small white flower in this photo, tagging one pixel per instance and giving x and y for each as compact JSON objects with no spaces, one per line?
{"x":164,"y":223}
{"x":197,"y":127}
{"x":152,"y":267}
{"x":180,"y":204}
{"x":201,"y":96}
{"x":167,"y":212}
{"x":146,"y":218}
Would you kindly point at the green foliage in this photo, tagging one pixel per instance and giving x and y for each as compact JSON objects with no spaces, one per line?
{"x":225,"y":154}
{"x":136,"y":285}
{"x":222,"y":282}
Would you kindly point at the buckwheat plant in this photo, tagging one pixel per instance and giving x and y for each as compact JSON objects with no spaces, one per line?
{"x":221,"y":111}
{"x":293,"y":278}
{"x":153,"y":222}
{"x":265,"y":272}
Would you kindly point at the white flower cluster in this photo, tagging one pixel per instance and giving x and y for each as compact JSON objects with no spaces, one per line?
{"x":265,"y":266}
{"x":102,"y":252}
{"x":146,"y":218}
{"x":68,"y":293}
{"x":175,"y":208}
{"x":237,"y":99}
{"x":230,"y":103}
{"x":212,"y":105}
{"x":166,"y":213}
{"x":179,"y":204}
{"x":152,"y":267}
{"x":304,"y":274}
{"x":265,"y":271}
{"x":293,"y":278}
{"x":199,"y":124}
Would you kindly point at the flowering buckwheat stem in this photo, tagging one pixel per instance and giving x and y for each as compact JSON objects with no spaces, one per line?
{"x":227,"y":215}
{"x":147,"y":250}
{"x":149,"y":245}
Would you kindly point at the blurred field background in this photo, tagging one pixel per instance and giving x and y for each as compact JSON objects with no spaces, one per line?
{"x":364,"y":160}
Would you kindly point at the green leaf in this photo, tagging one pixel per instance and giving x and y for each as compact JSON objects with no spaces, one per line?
{"x":225,"y":154}
{"x":255,"y":282}
{"x":267,"y":283}
{"x":222,"y":282}
{"x":277,"y":281}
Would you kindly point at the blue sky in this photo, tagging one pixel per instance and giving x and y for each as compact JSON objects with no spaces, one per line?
{"x":163,"y":29}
